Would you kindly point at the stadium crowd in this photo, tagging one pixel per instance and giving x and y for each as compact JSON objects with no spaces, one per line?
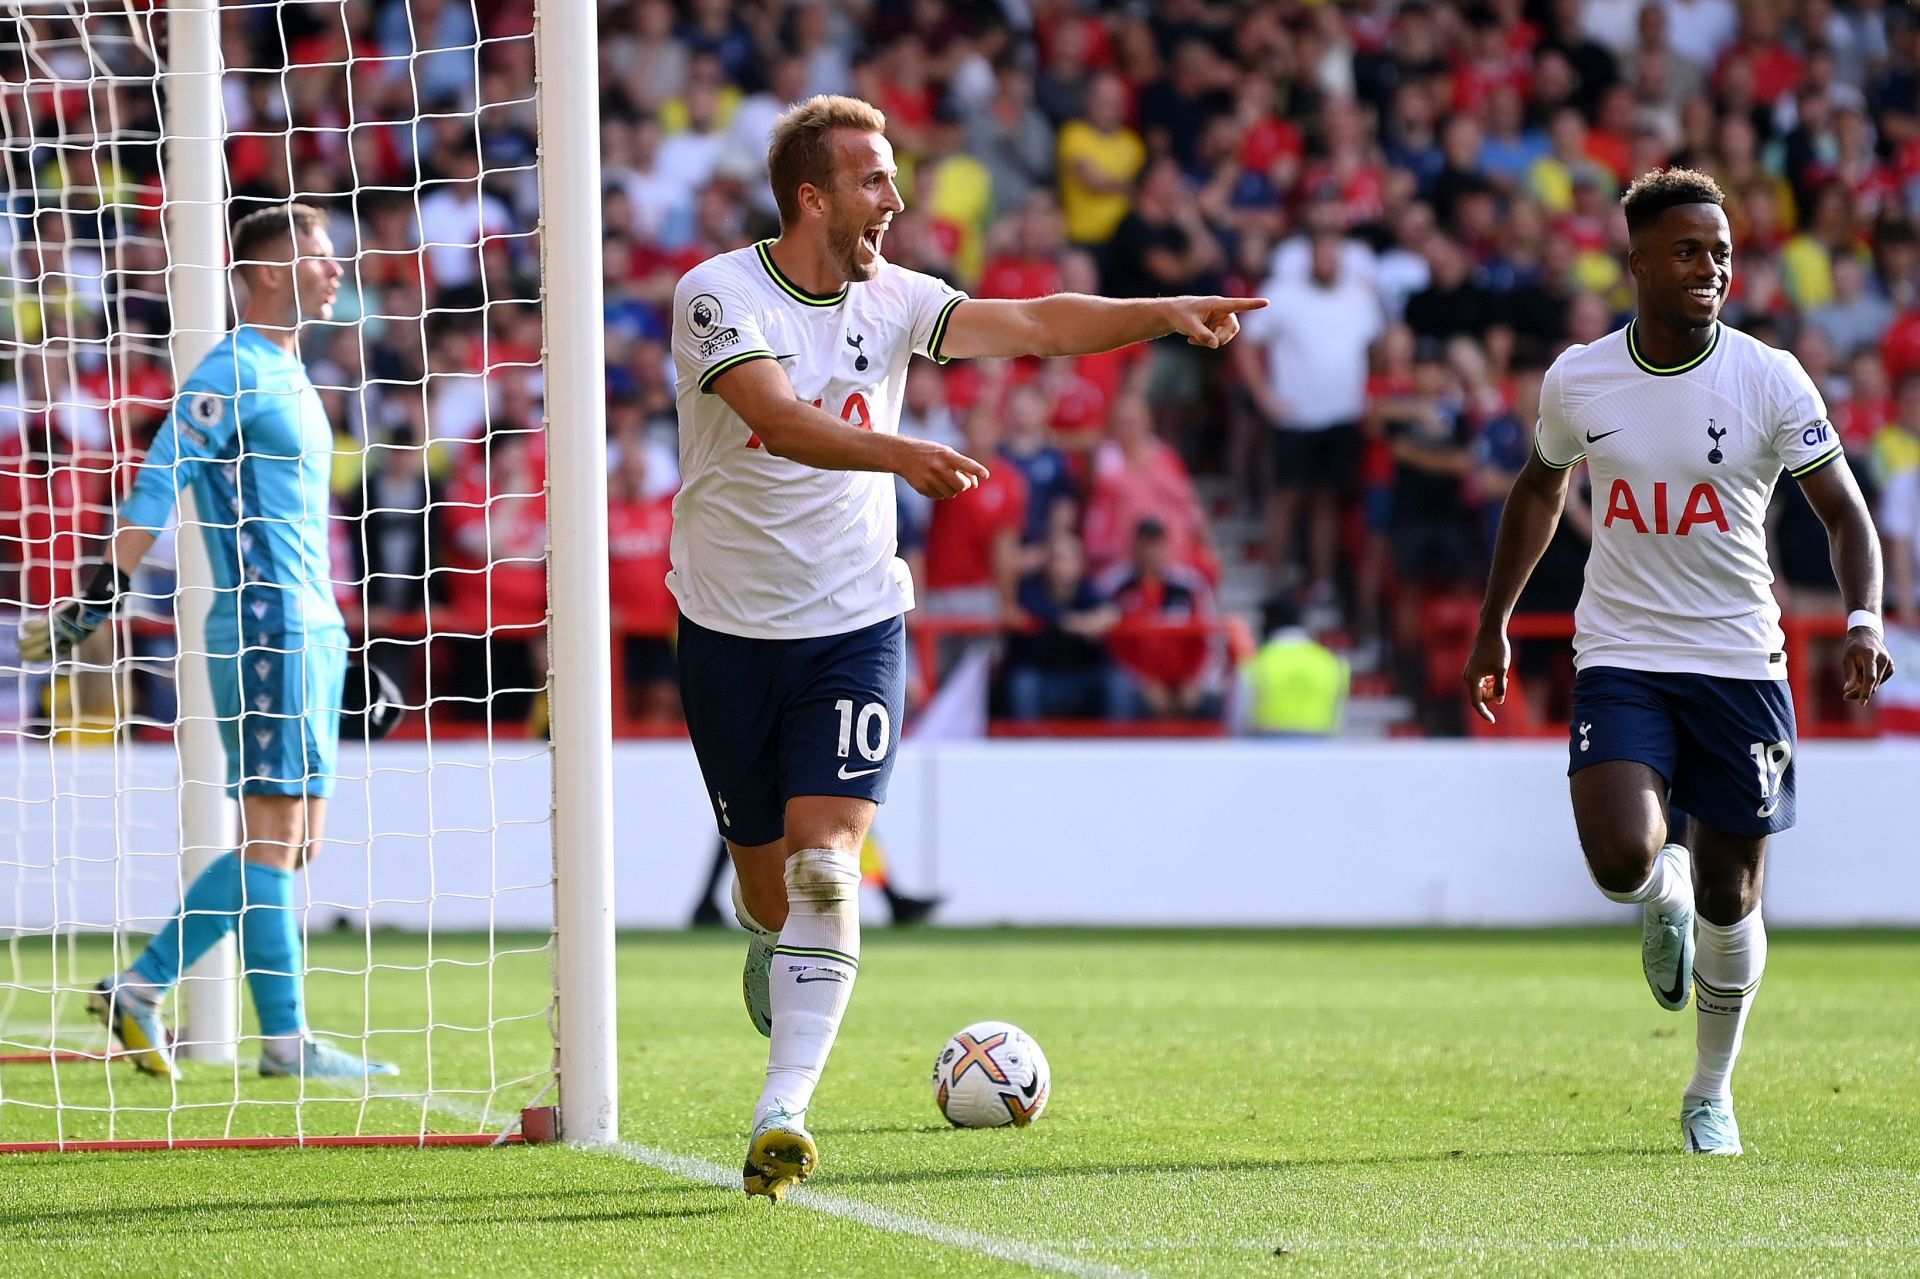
{"x":1426,"y":191}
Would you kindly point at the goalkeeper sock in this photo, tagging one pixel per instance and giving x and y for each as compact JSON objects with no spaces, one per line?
{"x":1727,"y":965}
{"x":270,"y":954}
{"x":1664,"y":890}
{"x":207,"y":913}
{"x":813,"y":970}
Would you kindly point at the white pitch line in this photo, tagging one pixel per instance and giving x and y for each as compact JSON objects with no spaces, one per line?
{"x":854,"y":1210}
{"x":877,"y":1218}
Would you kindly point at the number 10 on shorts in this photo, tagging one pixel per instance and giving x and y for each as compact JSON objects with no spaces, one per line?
{"x":1769,"y":759}
{"x":871,"y":731}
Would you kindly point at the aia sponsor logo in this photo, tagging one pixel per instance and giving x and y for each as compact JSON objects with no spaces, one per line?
{"x":1701,"y":509}
{"x":854,"y":413}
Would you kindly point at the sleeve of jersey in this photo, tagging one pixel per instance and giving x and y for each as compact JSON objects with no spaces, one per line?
{"x":930,"y":306}
{"x":1803,"y":437}
{"x":1557,"y":443}
{"x":198,"y":430}
{"x":714,"y":328}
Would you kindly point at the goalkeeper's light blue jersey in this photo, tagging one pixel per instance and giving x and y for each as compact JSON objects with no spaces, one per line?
{"x":249,"y":437}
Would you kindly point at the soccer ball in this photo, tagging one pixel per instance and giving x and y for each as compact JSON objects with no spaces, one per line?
{"x":990,"y":1075}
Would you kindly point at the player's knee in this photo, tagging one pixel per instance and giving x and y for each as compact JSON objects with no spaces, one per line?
{"x":764,"y":896}
{"x":1620,"y":863}
{"x":826,"y":876}
{"x":839,"y":824}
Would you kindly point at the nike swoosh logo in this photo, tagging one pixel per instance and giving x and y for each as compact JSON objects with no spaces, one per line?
{"x":1767,"y":809}
{"x":845,"y":776}
{"x":1595,"y":439}
{"x":1679,"y":986}
{"x":794,"y":356}
{"x":1031,"y":1087}
{"x":802,"y":977}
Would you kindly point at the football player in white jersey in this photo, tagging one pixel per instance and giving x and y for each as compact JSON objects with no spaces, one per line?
{"x":791,"y":359}
{"x":1680,"y":694}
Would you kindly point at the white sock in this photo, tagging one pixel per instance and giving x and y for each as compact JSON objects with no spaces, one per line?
{"x":747,"y":921}
{"x":1727,"y":963}
{"x":284,"y":1049}
{"x":1664,"y":890}
{"x":813,"y":970}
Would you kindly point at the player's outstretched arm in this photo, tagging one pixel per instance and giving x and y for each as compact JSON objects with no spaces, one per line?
{"x":1855,"y":548}
{"x":1527,"y":523}
{"x":1081,"y":324}
{"x":788,"y":427}
{"x":65,"y":628}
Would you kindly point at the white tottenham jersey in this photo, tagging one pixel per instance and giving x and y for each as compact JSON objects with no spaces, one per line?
{"x":1684,"y":461}
{"x":764,"y":547}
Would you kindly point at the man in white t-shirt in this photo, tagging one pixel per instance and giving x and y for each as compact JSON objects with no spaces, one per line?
{"x":1681,"y":694}
{"x":456,"y":220}
{"x":791,"y":363}
{"x":1312,"y":392}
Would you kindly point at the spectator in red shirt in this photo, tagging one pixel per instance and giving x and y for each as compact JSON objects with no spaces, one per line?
{"x":1026,"y":262}
{"x":1773,"y":68}
{"x":1869,"y":403}
{"x":639,"y":533}
{"x":53,"y":502}
{"x":1138,"y":476}
{"x":496,"y":520}
{"x":1488,"y":61}
{"x":973,"y":542}
{"x":1160,"y":639}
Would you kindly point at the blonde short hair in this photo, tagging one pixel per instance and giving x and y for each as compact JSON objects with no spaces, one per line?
{"x":801,"y":150}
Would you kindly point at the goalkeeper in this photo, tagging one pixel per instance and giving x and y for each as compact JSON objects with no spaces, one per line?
{"x":249,"y":438}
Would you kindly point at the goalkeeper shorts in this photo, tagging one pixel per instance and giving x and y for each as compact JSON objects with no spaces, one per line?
{"x":278,"y":702}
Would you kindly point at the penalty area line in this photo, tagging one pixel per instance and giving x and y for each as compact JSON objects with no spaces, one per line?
{"x":857,"y":1211}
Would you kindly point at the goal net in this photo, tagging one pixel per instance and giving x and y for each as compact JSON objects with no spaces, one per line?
{"x":132,"y":135}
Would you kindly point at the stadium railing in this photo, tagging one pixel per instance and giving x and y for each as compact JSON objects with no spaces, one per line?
{"x":1812,"y":648}
{"x":1812,"y":643}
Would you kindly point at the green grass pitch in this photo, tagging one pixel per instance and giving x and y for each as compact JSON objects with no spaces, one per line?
{"x":1225,"y":1103}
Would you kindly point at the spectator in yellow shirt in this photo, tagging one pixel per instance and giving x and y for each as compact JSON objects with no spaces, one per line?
{"x":1099,"y":158}
{"x":957,"y":191}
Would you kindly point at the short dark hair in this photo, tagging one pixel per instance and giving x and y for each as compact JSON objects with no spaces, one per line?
{"x":264,"y":228}
{"x":1652,"y":194}
{"x":1279,"y":613}
{"x":800,"y":152}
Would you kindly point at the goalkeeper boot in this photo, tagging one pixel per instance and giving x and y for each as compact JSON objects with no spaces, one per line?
{"x":319,"y":1060}
{"x":756,"y":980}
{"x":135,"y":1025}
{"x":780,"y":1156}
{"x":1666,"y":940}
{"x":1708,"y":1125}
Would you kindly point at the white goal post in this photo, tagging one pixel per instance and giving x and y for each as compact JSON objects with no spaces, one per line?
{"x":97,"y":827}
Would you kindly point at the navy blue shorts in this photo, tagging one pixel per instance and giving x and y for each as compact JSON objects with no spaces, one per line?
{"x":1725,"y":746}
{"x":774,"y":719}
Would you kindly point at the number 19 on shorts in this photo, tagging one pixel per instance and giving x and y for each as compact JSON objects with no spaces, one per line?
{"x":1770,"y":761}
{"x":871,"y":731}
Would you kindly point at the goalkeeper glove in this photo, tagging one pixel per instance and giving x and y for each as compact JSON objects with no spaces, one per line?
{"x":67,"y":627}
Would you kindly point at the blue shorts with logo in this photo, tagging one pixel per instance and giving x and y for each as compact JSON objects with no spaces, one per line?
{"x":1725,"y":746}
{"x":278,"y":700}
{"x":775,"y":719}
